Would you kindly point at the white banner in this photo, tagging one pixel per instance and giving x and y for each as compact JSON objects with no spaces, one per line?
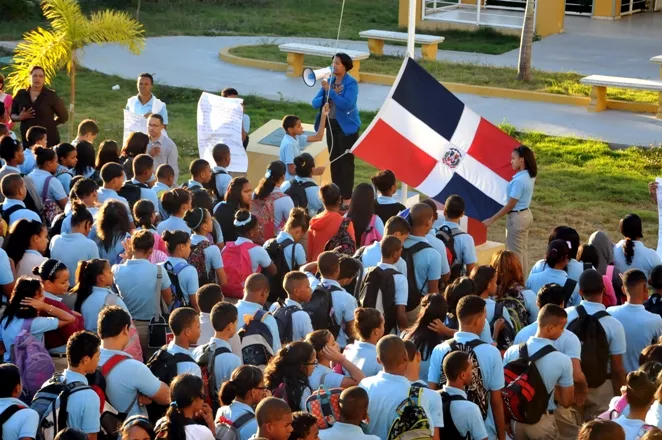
{"x":219,"y":121}
{"x":133,"y":122}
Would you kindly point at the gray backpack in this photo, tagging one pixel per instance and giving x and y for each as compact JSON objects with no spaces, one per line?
{"x":226,"y":430}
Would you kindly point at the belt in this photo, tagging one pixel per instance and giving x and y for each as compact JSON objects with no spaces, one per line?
{"x":518,"y":210}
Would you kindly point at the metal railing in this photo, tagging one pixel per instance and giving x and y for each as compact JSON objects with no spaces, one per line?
{"x":459,"y":12}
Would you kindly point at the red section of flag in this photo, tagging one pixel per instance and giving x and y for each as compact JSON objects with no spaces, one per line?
{"x":492,"y":147}
{"x":386,"y":149}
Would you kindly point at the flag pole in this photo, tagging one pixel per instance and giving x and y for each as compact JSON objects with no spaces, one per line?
{"x":411,"y":35}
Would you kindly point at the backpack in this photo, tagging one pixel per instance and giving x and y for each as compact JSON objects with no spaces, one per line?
{"x":256,"y":341}
{"x":476,"y":391}
{"x":297,"y":192}
{"x":447,"y":235}
{"x":342,"y":242}
{"x":513,"y":301}
{"x":163,"y":365}
{"x":238,"y":267}
{"x":178,"y":294}
{"x":595,"y":346}
{"x":654,"y":304}
{"x":198,"y":260}
{"x":52,"y":418}
{"x":276,"y":252}
{"x":6,"y":213}
{"x":320,"y":309}
{"x":213,"y":187}
{"x":415,"y":294}
{"x":507,"y":335}
{"x":8,"y":413}
{"x":228,"y":430}
{"x":50,"y":209}
{"x":32,"y":359}
{"x":411,"y":422}
{"x":283,"y":317}
{"x":371,"y":234}
{"x":131,"y":192}
{"x":449,"y":430}
{"x":324,"y":404}
{"x":525,"y":396}
{"x":56,"y":226}
{"x":378,"y":292}
{"x":207,"y":362}
{"x":615,"y":412}
{"x":263,"y":210}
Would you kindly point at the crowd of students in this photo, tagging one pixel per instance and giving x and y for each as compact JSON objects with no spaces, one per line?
{"x":275,"y":310}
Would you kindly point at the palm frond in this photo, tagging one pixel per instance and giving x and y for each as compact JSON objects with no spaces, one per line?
{"x":50,"y":50}
{"x":116,"y":27}
{"x":66,"y":16}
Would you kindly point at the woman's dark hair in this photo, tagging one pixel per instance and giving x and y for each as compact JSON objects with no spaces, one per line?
{"x":275,"y":171}
{"x":345,"y":60}
{"x":366,"y":320}
{"x":384,"y":181}
{"x":63,"y":150}
{"x":233,"y":193}
{"x":112,"y":223}
{"x":80,"y":214}
{"x":567,"y":234}
{"x":304,"y":164}
{"x":318,"y":339}
{"x":302,"y":422}
{"x":287,"y":367}
{"x":174,"y":239}
{"x":457,"y":290}
{"x":71,"y":434}
{"x":557,"y":251}
{"x":433,"y":307}
{"x":330,"y":195}
{"x":509,"y":272}
{"x":195,"y":218}
{"x":83,"y":188}
{"x":86,"y":157}
{"x":86,"y":278}
{"x":202,"y":199}
{"x":44,"y":155}
{"x":48,"y":270}
{"x":632,"y":230}
{"x":361,"y":209}
{"x":587,"y":253}
{"x":11,"y":378}
{"x":140,"y":421}
{"x":599,"y":429}
{"x":481,"y":276}
{"x":142,"y":213}
{"x":298,"y":218}
{"x":651,"y":353}
{"x":529,"y":159}
{"x":184,"y":389}
{"x":652,"y":370}
{"x":243,"y":380}
{"x":20,"y":234}
{"x":173,"y":200}
{"x":639,"y":390}
{"x":241,"y":216}
{"x":24,"y":288}
{"x":109,"y":152}
{"x":135,"y":144}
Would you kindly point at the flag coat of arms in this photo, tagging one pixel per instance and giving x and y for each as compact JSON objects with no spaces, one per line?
{"x":436,"y":144}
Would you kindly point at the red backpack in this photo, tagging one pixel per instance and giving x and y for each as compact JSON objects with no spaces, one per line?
{"x":198,"y":260}
{"x":264,"y":211}
{"x":238,"y":266}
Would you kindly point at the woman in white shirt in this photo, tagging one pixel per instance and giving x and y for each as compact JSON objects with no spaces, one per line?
{"x":187,"y":403}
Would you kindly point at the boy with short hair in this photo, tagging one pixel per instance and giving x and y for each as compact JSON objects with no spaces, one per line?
{"x":386,"y":206}
{"x":208,"y":296}
{"x":433,"y":397}
{"x":224,"y":319}
{"x":185,"y":325}
{"x":200,"y":174}
{"x":36,"y":136}
{"x":353,"y":411}
{"x":371,"y":255}
{"x":290,"y":315}
{"x":274,"y":420}
{"x":463,"y":243}
{"x":112,"y":175}
{"x":143,"y":169}
{"x":14,"y":191}
{"x":67,"y":157}
{"x":23,"y":423}
{"x":294,"y":141}
{"x":256,"y":292}
{"x":165,"y":179}
{"x":11,"y":151}
{"x":222,"y":158}
{"x":87,"y":131}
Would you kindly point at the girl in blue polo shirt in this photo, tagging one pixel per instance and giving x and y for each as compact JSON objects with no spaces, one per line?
{"x":183,"y":276}
{"x":369,"y":327}
{"x":44,"y":175}
{"x":239,"y":396}
{"x":295,"y":229}
{"x":305,"y":166}
{"x":368,"y":227}
{"x":328,"y":351}
{"x":556,"y":259}
{"x":269,"y":199}
{"x":200,"y":221}
{"x":111,"y":229}
{"x":246,"y":227}
{"x":85,"y":163}
{"x":631,"y":253}
{"x":287,"y":373}
{"x":54,"y":276}
{"x":144,"y":215}
{"x":84,"y":191}
{"x":67,"y":157}
{"x":175,"y":202}
{"x":433,"y":311}
{"x":26,"y":244}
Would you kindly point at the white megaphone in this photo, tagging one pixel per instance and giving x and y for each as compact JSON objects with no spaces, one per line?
{"x":310,"y":76}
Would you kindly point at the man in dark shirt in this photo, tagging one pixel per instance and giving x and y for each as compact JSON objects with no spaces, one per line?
{"x":38,"y":105}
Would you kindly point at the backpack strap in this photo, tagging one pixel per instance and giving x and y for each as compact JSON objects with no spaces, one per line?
{"x":111,"y":363}
{"x":111,"y":299}
{"x":610,"y":272}
{"x":587,"y":266}
{"x":260,"y":315}
{"x":179,"y":267}
{"x":44,"y":191}
{"x":581,"y":311}
{"x":547,"y":349}
{"x":475,"y":343}
{"x":27,"y":325}
{"x":498,"y":310}
{"x":242,"y":420}
{"x":8,"y":413}
{"x":569,"y":289}
{"x":601,"y":314}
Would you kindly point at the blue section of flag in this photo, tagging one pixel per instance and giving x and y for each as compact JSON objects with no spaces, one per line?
{"x":478,"y":204}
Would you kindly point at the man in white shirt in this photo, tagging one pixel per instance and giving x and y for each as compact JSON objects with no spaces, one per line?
{"x":353,"y":411}
{"x":161,"y":147}
{"x":145,"y":103}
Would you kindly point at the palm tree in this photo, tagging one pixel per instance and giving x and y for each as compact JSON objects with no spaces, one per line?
{"x":70,"y":30}
{"x":526,"y":43}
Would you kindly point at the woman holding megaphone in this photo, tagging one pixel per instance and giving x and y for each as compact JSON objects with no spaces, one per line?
{"x":342,"y":129}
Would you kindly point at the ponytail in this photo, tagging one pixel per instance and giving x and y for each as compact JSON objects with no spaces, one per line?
{"x":632,"y":230}
{"x":184,"y":389}
{"x":274,"y":174}
{"x":557,"y":251}
{"x":86,"y":278}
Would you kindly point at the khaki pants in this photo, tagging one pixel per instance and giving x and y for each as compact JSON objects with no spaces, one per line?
{"x":568,"y":422}
{"x":545,"y":429}
{"x":143,"y":335}
{"x":597,"y":400}
{"x":413,"y":315}
{"x":518,"y":225}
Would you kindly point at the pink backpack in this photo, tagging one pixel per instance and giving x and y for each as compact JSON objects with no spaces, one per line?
{"x":32,"y":359}
{"x":264,"y":211}
{"x":616,"y":411}
{"x":609,"y":298}
{"x":371,"y":234}
{"x":238,"y":266}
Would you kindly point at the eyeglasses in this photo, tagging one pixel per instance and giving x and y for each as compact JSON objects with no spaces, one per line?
{"x":263,"y":389}
{"x":315,"y":363}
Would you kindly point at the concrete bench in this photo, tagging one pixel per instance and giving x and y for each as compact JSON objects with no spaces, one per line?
{"x":658,"y":60}
{"x":295,"y":53}
{"x":376,"y":38}
{"x":601,"y":82}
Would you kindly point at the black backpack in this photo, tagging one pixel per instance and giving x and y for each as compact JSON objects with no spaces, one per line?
{"x":163,"y":365}
{"x":131,"y":192}
{"x":525,"y":396}
{"x":595,"y":346}
{"x":276,"y":252}
{"x":212,"y":185}
{"x":8,"y":413}
{"x":207,"y":363}
{"x":450,"y":431}
{"x":297,"y":192}
{"x":320,"y":307}
{"x":447,"y":235}
{"x":507,"y":335}
{"x":654,"y":304}
{"x":415,"y":293}
{"x":283,"y":317}
{"x":380,"y":281}
{"x":8,"y":212}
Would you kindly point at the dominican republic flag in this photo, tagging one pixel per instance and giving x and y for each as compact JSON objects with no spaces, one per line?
{"x":435,"y":143}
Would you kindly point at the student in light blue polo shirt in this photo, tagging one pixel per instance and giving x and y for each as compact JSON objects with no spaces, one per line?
{"x":179,"y":247}
{"x":256,"y":292}
{"x":6,"y":277}
{"x":463,"y":243}
{"x":305,"y":167}
{"x":631,"y":253}
{"x":432,"y":396}
{"x":44,"y":175}
{"x":112,"y":175}
{"x":222,"y":158}
{"x":82,"y":406}
{"x":74,"y":247}
{"x":200,"y":222}
{"x":129,"y":378}
{"x":294,"y":141}
{"x":371,"y":255}
{"x":641,"y":326}
{"x":556,"y":259}
{"x":472,"y":317}
{"x":67,"y":156}
{"x":239,"y":396}
{"x":555,"y":370}
{"x":224,"y":319}
{"x":353,"y":411}
{"x":14,"y":190}
{"x":454,"y":292}
{"x":385,"y":205}
{"x":165,"y":181}
{"x":175,"y":203}
{"x":36,"y":136}
{"x":268,"y":192}
{"x":390,"y":387}
{"x":24,"y":423}
{"x":298,"y":291}
{"x":485,"y":280}
{"x":294,"y":230}
{"x":84,"y":191}
{"x":185,"y":325}
{"x":143,"y":170}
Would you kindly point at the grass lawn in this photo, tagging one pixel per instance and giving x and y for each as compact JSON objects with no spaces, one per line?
{"x":311,"y":18}
{"x":466,"y":73}
{"x":584,"y":184}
